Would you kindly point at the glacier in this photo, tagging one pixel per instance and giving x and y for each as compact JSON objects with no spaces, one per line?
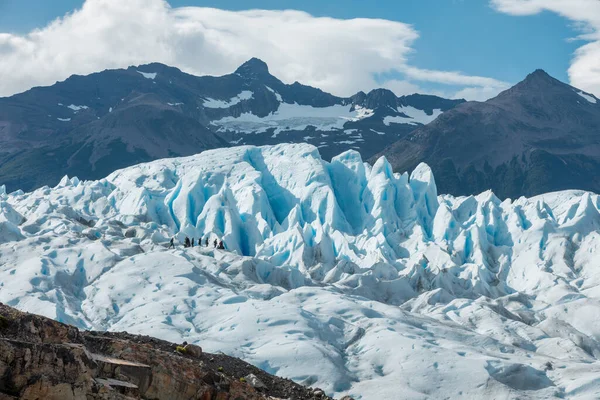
{"x":339,"y":274}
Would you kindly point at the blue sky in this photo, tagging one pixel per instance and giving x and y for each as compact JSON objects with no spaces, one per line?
{"x":454,"y":35}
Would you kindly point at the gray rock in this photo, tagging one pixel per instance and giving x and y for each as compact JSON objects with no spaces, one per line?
{"x":130,"y":233}
{"x":255,"y":382}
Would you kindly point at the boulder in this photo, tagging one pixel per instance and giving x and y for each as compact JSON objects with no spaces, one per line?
{"x":193,"y":350}
{"x":130,"y":233}
{"x":255,"y":382}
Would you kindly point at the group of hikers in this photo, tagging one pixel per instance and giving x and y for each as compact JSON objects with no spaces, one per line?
{"x":218,"y":244}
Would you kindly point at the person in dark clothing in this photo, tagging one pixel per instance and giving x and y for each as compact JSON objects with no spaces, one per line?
{"x":172,"y":243}
{"x":215,"y":243}
{"x":221,"y":245}
{"x":187,"y":242}
{"x":192,"y":242}
{"x":207,"y":240}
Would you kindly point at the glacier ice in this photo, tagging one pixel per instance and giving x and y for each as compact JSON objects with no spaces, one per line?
{"x":340,"y":275}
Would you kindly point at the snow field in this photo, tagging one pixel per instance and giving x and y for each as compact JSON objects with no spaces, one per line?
{"x":295,"y":117}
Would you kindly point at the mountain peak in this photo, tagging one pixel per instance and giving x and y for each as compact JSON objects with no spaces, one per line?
{"x":380,"y":98}
{"x":538,"y":78}
{"x":538,"y":74}
{"x":534,"y":83}
{"x":253,"y":68}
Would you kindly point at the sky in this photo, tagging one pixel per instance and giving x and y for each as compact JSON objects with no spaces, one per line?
{"x":454,"y":48}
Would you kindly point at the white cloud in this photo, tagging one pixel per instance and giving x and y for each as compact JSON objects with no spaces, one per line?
{"x":584,"y":71}
{"x":449,"y":77}
{"x":479,"y":93}
{"x":401,"y":87}
{"x":339,"y":56}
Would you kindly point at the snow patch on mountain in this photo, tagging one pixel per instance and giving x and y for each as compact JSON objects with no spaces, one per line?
{"x":295,"y":117}
{"x":586,"y":96}
{"x":277,"y":95}
{"x":148,"y":75}
{"x":212,"y":103}
{"x":415,"y":116}
{"x":77,"y":108}
{"x":340,"y":275}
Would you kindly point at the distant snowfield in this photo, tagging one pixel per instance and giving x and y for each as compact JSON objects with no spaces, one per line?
{"x":415,"y":116}
{"x":339,"y":275}
{"x":212,"y":103}
{"x":77,"y":108}
{"x":588,"y":97}
{"x":295,"y":117}
{"x":148,"y":75}
{"x":277,"y":95}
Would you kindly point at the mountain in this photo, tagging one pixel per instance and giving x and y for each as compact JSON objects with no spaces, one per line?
{"x":539,"y":136}
{"x":372,"y":276}
{"x":89,"y":126}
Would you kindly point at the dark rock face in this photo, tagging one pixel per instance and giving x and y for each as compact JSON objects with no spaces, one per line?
{"x":89,"y":126}
{"x":44,"y":359}
{"x":539,"y":136}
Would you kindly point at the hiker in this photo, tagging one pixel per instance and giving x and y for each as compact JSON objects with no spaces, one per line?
{"x":215,"y":243}
{"x":187,"y":242}
{"x":172,"y":243}
{"x":221,"y":245}
{"x":207,"y":240}
{"x":192,"y":242}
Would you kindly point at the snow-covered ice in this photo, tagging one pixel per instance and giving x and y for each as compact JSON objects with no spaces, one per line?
{"x":340,"y":275}
{"x":212,"y":103}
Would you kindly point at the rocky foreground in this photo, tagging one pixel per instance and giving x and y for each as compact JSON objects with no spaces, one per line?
{"x":44,"y":359}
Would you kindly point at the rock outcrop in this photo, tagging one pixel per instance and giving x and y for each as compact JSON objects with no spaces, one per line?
{"x":44,"y":359}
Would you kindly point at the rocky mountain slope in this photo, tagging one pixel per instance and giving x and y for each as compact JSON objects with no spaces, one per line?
{"x":44,"y":359}
{"x":338,"y":274}
{"x":92,"y":125}
{"x":541,"y":135}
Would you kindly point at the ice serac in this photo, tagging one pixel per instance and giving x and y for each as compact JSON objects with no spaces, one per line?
{"x":338,"y":274}
{"x":260,"y":199}
{"x":9,"y":223}
{"x":425,"y":192}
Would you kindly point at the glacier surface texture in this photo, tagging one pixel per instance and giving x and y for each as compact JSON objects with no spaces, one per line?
{"x":339,"y":275}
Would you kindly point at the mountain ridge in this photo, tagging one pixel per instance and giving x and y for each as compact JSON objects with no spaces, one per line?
{"x":541,"y":135}
{"x":91,"y":125}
